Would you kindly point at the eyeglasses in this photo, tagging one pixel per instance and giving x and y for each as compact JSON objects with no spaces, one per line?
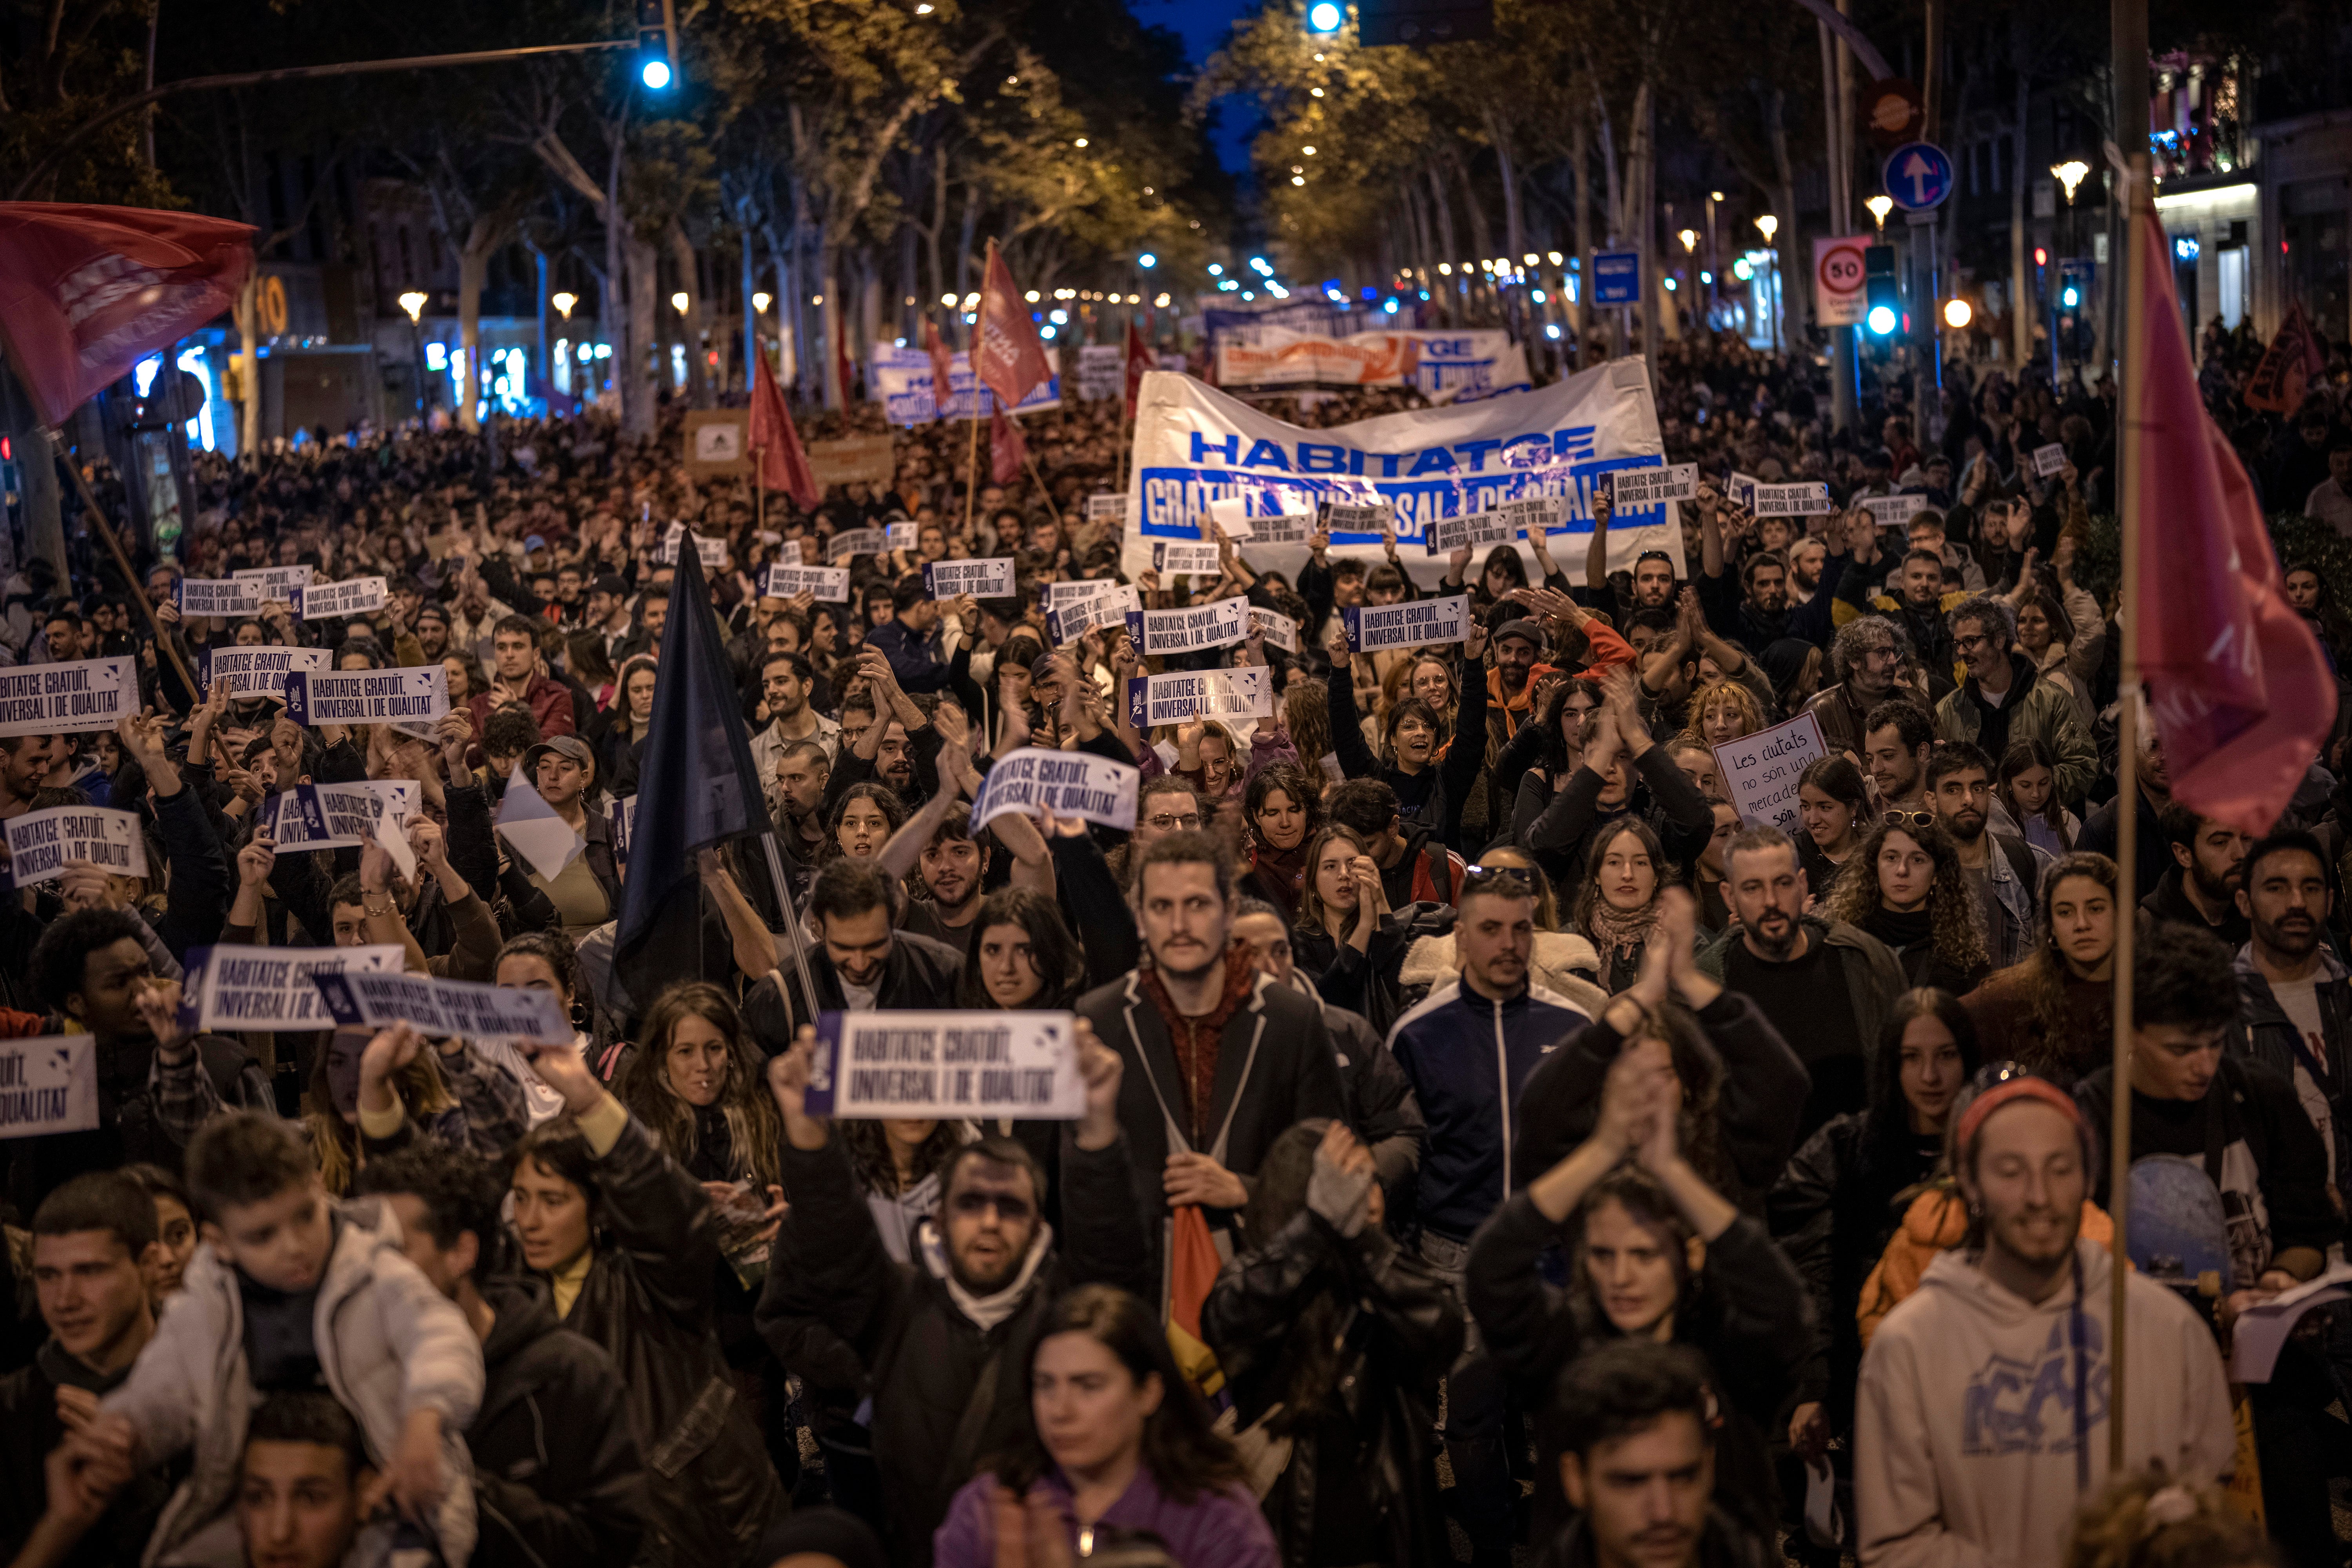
{"x":1167,"y":823}
{"x":1909,"y":819}
{"x":1478,"y":878}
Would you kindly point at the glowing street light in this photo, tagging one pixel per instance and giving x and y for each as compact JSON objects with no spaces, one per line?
{"x":759,"y":301}
{"x":680,"y":301}
{"x":1147,"y":261}
{"x":1689,"y":237}
{"x":1880,"y":205}
{"x":1957,"y":314}
{"x":414,"y":303}
{"x":1768,"y":225}
{"x":564,"y":302}
{"x":2070,"y":174}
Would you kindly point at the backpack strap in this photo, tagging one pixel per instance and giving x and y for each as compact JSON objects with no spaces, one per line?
{"x":2020,"y":860}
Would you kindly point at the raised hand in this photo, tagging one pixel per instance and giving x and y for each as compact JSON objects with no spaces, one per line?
{"x":788,"y":1081}
{"x":257,"y":859}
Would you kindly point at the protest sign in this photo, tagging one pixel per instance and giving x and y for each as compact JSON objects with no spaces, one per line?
{"x":712,"y":550}
{"x":936,"y":1065}
{"x":258,"y":671}
{"x":1633,"y":489}
{"x":903,"y":535}
{"x":278,"y":583}
{"x":41,"y":842}
{"x":284,"y":814}
{"x":990,"y":577}
{"x":1740,"y":489}
{"x":1808,"y":497}
{"x":1194,"y":444}
{"x":623,"y":816}
{"x":1413,"y":624}
{"x":49,"y":1084}
{"x":1220,"y":625}
{"x":534,"y":831}
{"x":418,"y":693}
{"x":1475,"y":531}
{"x":1761,"y":771}
{"x":59,"y":699}
{"x":1112,"y":509}
{"x":828,"y":585}
{"x":1893,"y":511}
{"x":852,"y":460}
{"x":1244,"y":693}
{"x":2048,"y":460}
{"x":1231,"y":515}
{"x":855,"y":541}
{"x":353,"y":596}
{"x":1068,"y":784}
{"x":1079,"y":616}
{"x":1102,"y":369}
{"x":1289,"y":527}
{"x":1446,"y":366}
{"x":268,"y":988}
{"x":217,"y":596}
{"x":900,"y":379}
{"x":788,"y":552}
{"x":443,"y":1007}
{"x":1279,"y":629}
{"x":1531,"y":515}
{"x":1173,"y":557}
{"x":1058,"y":595}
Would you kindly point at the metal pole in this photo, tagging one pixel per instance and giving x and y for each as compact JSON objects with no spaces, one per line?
{"x":792,"y":924}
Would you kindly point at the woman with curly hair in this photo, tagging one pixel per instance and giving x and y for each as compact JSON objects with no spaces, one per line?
{"x":2149,"y":1521}
{"x":862,"y":821}
{"x":1306,"y":714}
{"x":700,"y":1084}
{"x":1723,"y":710}
{"x":1907,"y":889}
{"x":2054,"y":1011}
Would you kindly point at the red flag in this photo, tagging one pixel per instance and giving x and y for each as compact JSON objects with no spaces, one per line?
{"x":1006,"y":449}
{"x":1005,"y":354}
{"x":2239,"y":691}
{"x":2287,"y":366}
{"x":783,"y":462}
{"x":89,"y":291}
{"x":1139,"y":360}
{"x":1192,"y":1266}
{"x":942,"y":379}
{"x":842,"y":363}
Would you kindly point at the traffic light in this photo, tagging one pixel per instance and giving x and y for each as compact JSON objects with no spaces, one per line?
{"x":1420,"y":24}
{"x":1882,"y":301}
{"x":657,"y":45}
{"x":1325,"y":17}
{"x":2041,"y":256}
{"x":2073,"y":284}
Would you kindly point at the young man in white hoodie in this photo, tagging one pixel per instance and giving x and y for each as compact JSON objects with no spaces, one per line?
{"x":1981,"y":1419}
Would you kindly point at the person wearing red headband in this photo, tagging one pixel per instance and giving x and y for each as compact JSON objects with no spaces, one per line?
{"x":1980,"y":1423}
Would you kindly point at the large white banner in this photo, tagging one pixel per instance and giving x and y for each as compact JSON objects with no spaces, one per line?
{"x":901,"y":380}
{"x":1193,"y":445}
{"x":1446,"y":366}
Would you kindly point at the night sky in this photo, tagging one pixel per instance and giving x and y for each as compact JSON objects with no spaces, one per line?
{"x":1203,"y":24}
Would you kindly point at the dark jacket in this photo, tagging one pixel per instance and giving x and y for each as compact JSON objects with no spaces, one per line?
{"x":1383,"y":1110}
{"x":1874,"y":975}
{"x":1764,"y":1088}
{"x":2264,"y":1033}
{"x":1722,"y":1543}
{"x":558,"y":1476}
{"x":915,"y":661}
{"x":29,"y":1428}
{"x":2152,"y":853}
{"x":196,"y":903}
{"x":647,"y":1302}
{"x":2168,"y":900}
{"x":1365,"y":982}
{"x":1360,"y":1462}
{"x":1749,"y":1317}
{"x":946,"y":1392}
{"x":918,"y":973}
{"x":147,"y":1111}
{"x":1561,"y":833}
{"x":1439,"y":799}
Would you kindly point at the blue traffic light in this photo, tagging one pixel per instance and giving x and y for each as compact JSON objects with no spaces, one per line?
{"x":655,"y":74}
{"x":1326,"y":16}
{"x":1882,"y":320}
{"x":657,"y":45}
{"x":2071,"y":298}
{"x":1147,"y":261}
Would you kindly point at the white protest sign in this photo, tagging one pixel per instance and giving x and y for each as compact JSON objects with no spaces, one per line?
{"x":1288,"y":528}
{"x":258,"y":671}
{"x":1068,"y":784}
{"x":1761,"y":771}
{"x":342,"y":815}
{"x":217,"y":596}
{"x":712,"y":550}
{"x":41,"y":842}
{"x":414,"y":694}
{"x":1057,"y":594}
{"x":277,"y":582}
{"x":1079,"y":616}
{"x":59,"y":699}
{"x":1447,"y":535}
{"x":444,"y":1006}
{"x":1111,"y":508}
{"x":827,"y":585}
{"x":1101,"y":367}
{"x":903,"y":535}
{"x":1343,"y":518}
{"x":353,"y":596}
{"x":49,"y":1084}
{"x":1173,"y":557}
{"x":531,"y":826}
{"x":1635,"y":488}
{"x":1808,"y":498}
{"x":1156,"y":699}
{"x":1893,"y":511}
{"x":789,"y":551}
{"x":934,"y":1065}
{"x":2048,"y":460}
{"x":1531,"y":515}
{"x":855,"y":541}
{"x":990,"y":577}
{"x":1740,"y":489}
{"x":1220,"y":625}
{"x":1413,"y":624}
{"x":268,"y":988}
{"x":1231,"y":514}
{"x":1279,"y":629}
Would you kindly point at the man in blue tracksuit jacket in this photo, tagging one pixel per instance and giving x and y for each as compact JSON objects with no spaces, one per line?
{"x":1467,"y":1048}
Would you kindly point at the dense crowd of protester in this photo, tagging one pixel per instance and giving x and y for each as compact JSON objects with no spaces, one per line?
{"x":1597,"y":1179}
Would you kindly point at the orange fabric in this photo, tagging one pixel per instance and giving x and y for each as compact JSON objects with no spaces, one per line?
{"x":1514,"y":713}
{"x":1192,"y":1269}
{"x":1609,"y":651}
{"x":1937,"y":1221}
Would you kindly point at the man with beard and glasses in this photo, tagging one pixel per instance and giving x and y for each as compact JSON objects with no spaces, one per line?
{"x":2200,"y":890}
{"x":1979,"y":1421}
{"x":2005,"y":699}
{"x":2294,"y":996}
{"x":940,"y":1342}
{"x":1864,"y":659}
{"x":2003,"y":868}
{"x":1825,"y":985}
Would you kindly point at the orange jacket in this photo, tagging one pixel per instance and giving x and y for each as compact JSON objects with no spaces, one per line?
{"x":1937,"y":1221}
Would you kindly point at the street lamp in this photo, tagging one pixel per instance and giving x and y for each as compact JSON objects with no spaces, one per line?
{"x":1147,"y":261}
{"x":564,"y":302}
{"x":414,"y":303}
{"x":1880,"y":205}
{"x":1957,"y":314}
{"x":679,"y":302}
{"x":761,"y":299}
{"x":2070,"y":174}
{"x":1768,"y":225}
{"x":1689,"y":237}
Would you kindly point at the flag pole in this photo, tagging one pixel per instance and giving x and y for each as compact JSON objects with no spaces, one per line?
{"x":792,"y":922}
{"x":2128,"y":21}
{"x":971,"y":461}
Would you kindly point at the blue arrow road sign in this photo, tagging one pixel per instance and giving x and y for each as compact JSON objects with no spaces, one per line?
{"x":1917,"y":176}
{"x":1617,"y":278}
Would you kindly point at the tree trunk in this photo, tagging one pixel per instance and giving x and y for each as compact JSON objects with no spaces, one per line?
{"x":248,"y":332}
{"x":2023,"y":305}
{"x":1641,"y":221}
{"x":1579,"y":153}
{"x":1449,"y":291}
{"x":644,"y":370}
{"x":482,"y":240}
{"x":965,"y":233}
{"x":835,"y":320}
{"x":1784,"y":197}
{"x":695,"y":324}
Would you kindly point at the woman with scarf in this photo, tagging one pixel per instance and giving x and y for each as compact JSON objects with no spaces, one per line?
{"x":1907,"y":889}
{"x":1617,"y":909}
{"x":1283,"y":808}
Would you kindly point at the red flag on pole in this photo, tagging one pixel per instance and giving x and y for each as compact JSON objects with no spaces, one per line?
{"x":2287,"y":366}
{"x":783,"y":462}
{"x":942,"y":377}
{"x":2235,"y":679}
{"x":85,"y":292}
{"x":1006,"y":448}
{"x":1005,"y":354}
{"x":1139,"y":360}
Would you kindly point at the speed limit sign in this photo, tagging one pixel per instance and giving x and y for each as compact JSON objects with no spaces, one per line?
{"x":1838,"y":281}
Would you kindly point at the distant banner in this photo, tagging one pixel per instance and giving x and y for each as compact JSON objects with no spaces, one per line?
{"x":1893,"y":511}
{"x":988,"y":578}
{"x":278,"y":581}
{"x":900,"y":379}
{"x":338,"y":816}
{"x":444,"y":1007}
{"x":60,"y":699}
{"x":1079,"y":616}
{"x":787,"y":550}
{"x":1106,"y":509}
{"x":1278,"y":628}
{"x":258,"y":671}
{"x":328,"y":601}
{"x":40,"y":843}
{"x":417,"y":694}
{"x":1635,"y":489}
{"x":1761,"y":771}
{"x":1413,"y":624}
{"x":1220,"y":625}
{"x":1102,"y":371}
{"x":268,"y":988}
{"x":851,"y":542}
{"x":1068,"y":784}
{"x":928,"y":1066}
{"x":853,"y":460}
{"x":1244,"y":693}
{"x":1475,"y":531}
{"x":49,"y":1084}
{"x":712,"y":550}
{"x":217,"y":596}
{"x":828,"y":585}
{"x":1173,"y":557}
